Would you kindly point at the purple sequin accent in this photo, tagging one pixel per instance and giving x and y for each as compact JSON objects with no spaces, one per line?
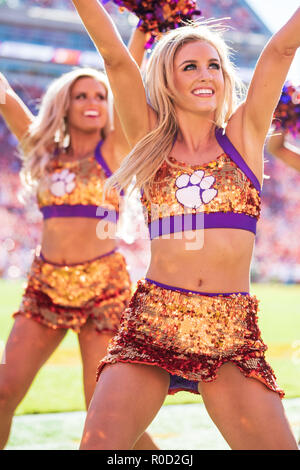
{"x":200,"y":220}
{"x":79,"y":210}
{"x":180,"y":289}
{"x":77,"y":264}
{"x":101,"y":161}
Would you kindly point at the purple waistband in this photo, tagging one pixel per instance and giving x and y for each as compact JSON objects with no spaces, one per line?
{"x":79,"y":210}
{"x":77,"y":264}
{"x":180,"y":289}
{"x":200,"y":220}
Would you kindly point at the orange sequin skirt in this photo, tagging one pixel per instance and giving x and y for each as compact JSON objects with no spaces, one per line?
{"x":191,"y":336}
{"x":66,"y":296}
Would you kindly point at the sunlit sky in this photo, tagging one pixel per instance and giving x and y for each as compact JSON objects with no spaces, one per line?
{"x":275,"y":13}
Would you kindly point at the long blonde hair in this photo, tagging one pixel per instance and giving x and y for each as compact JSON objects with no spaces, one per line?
{"x":153,"y":149}
{"x":46,"y":134}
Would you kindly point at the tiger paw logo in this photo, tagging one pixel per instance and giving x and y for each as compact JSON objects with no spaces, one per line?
{"x":195,"y":190}
{"x":62,"y":183}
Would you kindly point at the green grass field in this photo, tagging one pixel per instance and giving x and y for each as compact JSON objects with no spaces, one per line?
{"x":58,"y":386}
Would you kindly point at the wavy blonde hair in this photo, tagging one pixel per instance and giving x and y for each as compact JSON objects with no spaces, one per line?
{"x":152,"y":150}
{"x":47,"y":132}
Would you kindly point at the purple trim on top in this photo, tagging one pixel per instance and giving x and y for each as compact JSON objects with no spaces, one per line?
{"x":200,"y":220}
{"x":180,"y":289}
{"x":77,"y":264}
{"x":56,"y":151}
{"x":79,"y":210}
{"x":232,"y":152}
{"x":100,"y":159}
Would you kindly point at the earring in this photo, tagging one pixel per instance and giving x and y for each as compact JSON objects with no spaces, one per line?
{"x":61,"y":135}
{"x":66,"y":135}
{"x":66,"y":141}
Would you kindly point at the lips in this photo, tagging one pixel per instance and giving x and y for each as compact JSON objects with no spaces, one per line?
{"x":91,"y":113}
{"x":203,"y":92}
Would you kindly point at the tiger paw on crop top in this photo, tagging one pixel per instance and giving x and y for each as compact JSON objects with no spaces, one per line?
{"x":222,"y":193}
{"x":62,"y":183}
{"x":196,"y":189}
{"x":76,"y":189}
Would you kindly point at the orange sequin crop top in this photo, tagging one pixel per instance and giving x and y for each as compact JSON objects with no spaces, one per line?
{"x":75,"y":189}
{"x":223,"y":193}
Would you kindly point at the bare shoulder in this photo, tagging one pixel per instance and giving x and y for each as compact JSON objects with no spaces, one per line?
{"x":243,"y":136}
{"x":114,"y":150}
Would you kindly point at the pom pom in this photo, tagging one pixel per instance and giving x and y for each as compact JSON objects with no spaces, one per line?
{"x":287,"y":112}
{"x":157,"y":17}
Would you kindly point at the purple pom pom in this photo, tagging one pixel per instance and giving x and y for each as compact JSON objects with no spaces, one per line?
{"x":157,"y":17}
{"x":287,"y":112}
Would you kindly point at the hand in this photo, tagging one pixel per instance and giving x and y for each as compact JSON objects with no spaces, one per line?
{"x":296,"y":95}
{"x":4,"y":86}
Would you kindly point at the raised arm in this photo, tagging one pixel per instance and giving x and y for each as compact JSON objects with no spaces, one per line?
{"x":15,"y":113}
{"x":269,"y":77}
{"x":276,"y":146}
{"x":136,"y":46}
{"x":121,"y":146}
{"x":123,"y":73}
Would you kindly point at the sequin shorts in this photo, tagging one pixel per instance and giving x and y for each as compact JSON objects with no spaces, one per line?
{"x":66,"y":296}
{"x":191,"y":336}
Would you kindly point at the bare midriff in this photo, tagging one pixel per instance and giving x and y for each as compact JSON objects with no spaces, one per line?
{"x":217,"y":261}
{"x":71,"y":240}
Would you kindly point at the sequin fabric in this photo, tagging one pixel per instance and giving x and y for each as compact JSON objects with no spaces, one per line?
{"x":66,"y":296}
{"x":191,"y":335}
{"x":72,"y":183}
{"x":233,"y":191}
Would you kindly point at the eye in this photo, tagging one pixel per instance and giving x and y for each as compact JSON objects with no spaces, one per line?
{"x":189,"y":67}
{"x":215,"y":65}
{"x":80,"y":96}
{"x":101,"y":97}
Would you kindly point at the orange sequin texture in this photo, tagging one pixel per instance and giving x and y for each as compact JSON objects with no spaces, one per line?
{"x":66,"y":296}
{"x":236,"y":192}
{"x":191,"y":335}
{"x":89,"y":184}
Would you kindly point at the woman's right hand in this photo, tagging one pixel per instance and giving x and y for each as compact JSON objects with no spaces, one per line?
{"x":4,"y":86}
{"x":15,"y":113}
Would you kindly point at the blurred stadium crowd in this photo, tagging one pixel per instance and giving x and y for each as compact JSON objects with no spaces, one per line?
{"x":213,"y":8}
{"x":277,"y":251}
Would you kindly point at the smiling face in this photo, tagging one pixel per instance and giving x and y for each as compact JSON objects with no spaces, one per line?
{"x":198,"y":78}
{"x":88,"y":110}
